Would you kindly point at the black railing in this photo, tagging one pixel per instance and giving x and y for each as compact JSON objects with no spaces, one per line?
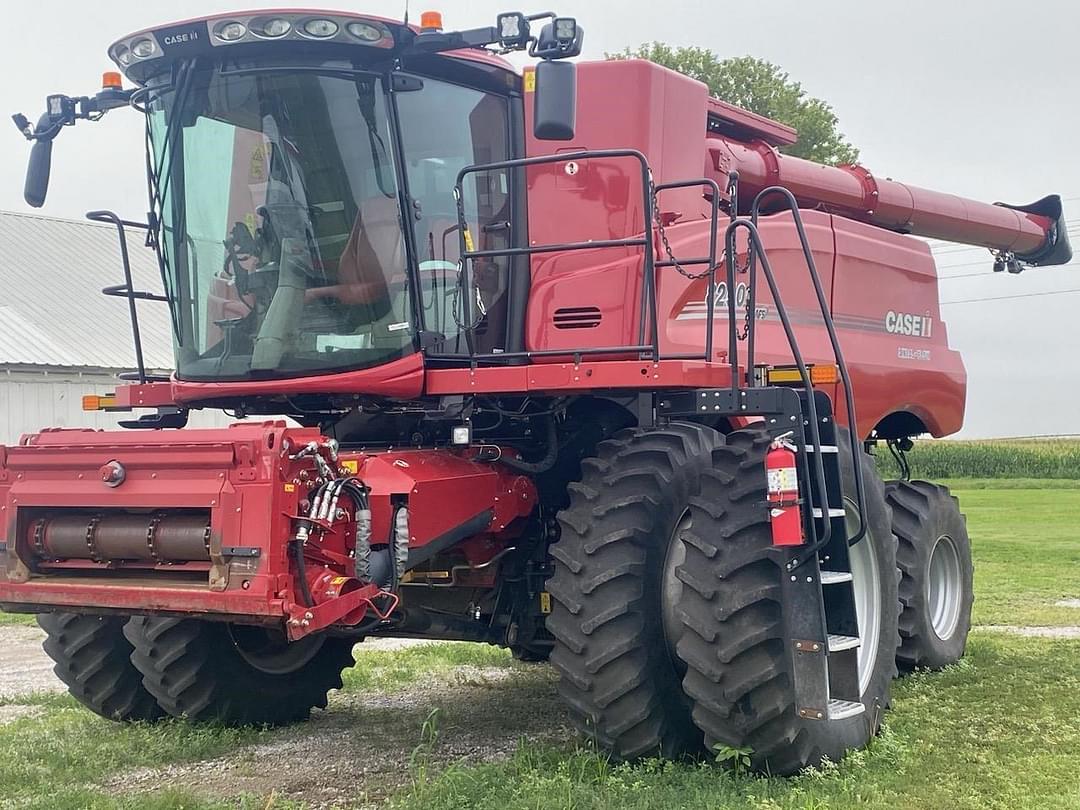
{"x":792,"y":205}
{"x":709,"y":261}
{"x":647,"y":346}
{"x":127,"y":289}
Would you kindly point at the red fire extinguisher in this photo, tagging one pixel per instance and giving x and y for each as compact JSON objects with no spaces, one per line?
{"x":783,"y":493}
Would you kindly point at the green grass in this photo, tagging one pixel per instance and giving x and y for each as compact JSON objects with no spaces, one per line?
{"x":51,"y":758}
{"x":1010,"y":483}
{"x":56,"y":756}
{"x":1027,"y":556}
{"x":934,"y":459}
{"x":391,"y":671}
{"x":1000,"y":730}
{"x":18,"y":618}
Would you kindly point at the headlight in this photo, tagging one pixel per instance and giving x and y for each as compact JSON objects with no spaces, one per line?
{"x":142,"y":48}
{"x":565,"y":29}
{"x":320,"y":28}
{"x":276,"y":27}
{"x":230,"y":31}
{"x":368,"y":33}
{"x":123,"y":55}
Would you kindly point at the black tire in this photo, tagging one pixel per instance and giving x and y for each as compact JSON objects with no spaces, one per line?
{"x":196,"y":670}
{"x":619,"y":677}
{"x":738,"y":670}
{"x":924,"y":515}
{"x":93,"y":658}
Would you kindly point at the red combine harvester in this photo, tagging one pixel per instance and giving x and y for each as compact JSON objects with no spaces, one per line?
{"x":564,"y":384}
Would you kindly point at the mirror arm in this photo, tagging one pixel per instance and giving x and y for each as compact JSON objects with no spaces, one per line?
{"x":60,"y":111}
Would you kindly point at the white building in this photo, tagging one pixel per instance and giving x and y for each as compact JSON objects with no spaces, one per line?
{"x":60,"y":337}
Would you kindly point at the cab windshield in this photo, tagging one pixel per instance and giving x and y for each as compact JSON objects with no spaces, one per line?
{"x":281,"y":232}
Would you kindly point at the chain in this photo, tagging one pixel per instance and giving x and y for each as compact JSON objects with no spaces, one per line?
{"x":742,"y":271}
{"x":745,"y":333}
{"x":455,"y":305}
{"x":667,"y":245}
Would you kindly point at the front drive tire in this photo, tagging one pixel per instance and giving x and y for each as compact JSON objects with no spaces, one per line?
{"x":936,"y":588}
{"x":734,"y":647}
{"x":619,"y":676}
{"x":234,"y":674}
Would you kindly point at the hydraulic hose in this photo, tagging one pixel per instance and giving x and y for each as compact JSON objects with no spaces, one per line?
{"x":301,"y":572}
{"x":544,"y":464}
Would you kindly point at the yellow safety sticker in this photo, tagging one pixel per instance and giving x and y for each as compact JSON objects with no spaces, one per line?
{"x":257,"y":167}
{"x":468,"y":240}
{"x":350,"y":464}
{"x":782,"y":479}
{"x":545,"y":602}
{"x":290,"y":487}
{"x":339,"y":580}
{"x":530,"y":80}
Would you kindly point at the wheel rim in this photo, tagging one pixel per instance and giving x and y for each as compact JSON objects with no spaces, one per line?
{"x":671,"y":588}
{"x":270,"y":651}
{"x":866,"y":583}
{"x":944,"y":586}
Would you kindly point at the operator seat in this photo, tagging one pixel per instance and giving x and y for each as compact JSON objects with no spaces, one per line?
{"x":373,"y":257}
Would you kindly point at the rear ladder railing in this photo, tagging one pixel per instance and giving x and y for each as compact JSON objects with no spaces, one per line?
{"x":792,"y":205}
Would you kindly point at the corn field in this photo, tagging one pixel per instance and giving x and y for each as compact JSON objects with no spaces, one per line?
{"x":1004,"y":458}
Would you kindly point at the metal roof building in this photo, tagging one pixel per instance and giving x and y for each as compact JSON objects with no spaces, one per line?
{"x":60,"y":338}
{"x":51,"y":307}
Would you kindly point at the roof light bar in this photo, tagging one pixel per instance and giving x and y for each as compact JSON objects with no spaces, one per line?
{"x":244,"y":29}
{"x":320,"y":28}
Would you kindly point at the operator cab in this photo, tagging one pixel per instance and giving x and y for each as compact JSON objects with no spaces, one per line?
{"x":302,"y":168}
{"x":282,"y":172}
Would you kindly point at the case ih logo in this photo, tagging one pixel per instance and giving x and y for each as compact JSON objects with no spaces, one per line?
{"x":180,"y":38}
{"x":902,"y":323}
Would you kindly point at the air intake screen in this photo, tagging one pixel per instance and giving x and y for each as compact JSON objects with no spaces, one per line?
{"x":577,"y":318}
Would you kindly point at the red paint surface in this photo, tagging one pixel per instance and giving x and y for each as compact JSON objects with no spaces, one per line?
{"x":243,"y":477}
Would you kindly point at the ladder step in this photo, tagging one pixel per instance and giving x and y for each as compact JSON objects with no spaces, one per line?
{"x":843,"y":709}
{"x":825,"y":448}
{"x":838,"y":642}
{"x":835,"y":577}
{"x":833,"y":513}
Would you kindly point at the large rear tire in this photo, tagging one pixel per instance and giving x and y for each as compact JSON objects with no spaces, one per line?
{"x":619,"y":675}
{"x":93,"y":658}
{"x":238,"y":675}
{"x":936,"y":586}
{"x":738,"y":669}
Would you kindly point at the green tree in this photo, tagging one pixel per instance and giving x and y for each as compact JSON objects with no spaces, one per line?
{"x":763,"y":88}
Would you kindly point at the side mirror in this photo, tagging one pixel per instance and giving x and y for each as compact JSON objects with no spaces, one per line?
{"x":555,"y":101}
{"x":37,"y":173}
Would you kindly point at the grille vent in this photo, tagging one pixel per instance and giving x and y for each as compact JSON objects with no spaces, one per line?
{"x":577,"y":318}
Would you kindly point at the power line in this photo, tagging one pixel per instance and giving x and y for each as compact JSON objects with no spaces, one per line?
{"x":1011,"y":297}
{"x":954,"y":248}
{"x":989,"y":259}
{"x":984,"y":274}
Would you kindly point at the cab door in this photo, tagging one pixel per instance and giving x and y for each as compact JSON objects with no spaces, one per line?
{"x":444,"y":128}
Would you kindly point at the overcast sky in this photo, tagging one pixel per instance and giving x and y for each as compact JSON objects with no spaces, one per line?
{"x":978,"y":99}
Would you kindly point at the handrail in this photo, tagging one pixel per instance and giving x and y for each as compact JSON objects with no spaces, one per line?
{"x":811,"y":407}
{"x":792,"y":205}
{"x":127,"y":289}
{"x":709,"y":260}
{"x":648,"y":344}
